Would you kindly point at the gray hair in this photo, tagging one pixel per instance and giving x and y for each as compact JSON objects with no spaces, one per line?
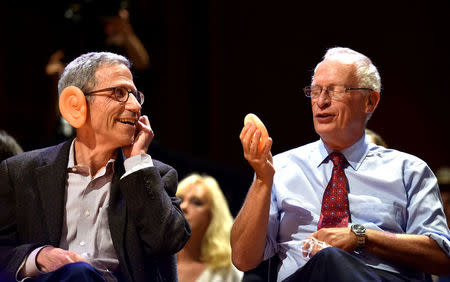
{"x":81,"y":71}
{"x":366,"y":72}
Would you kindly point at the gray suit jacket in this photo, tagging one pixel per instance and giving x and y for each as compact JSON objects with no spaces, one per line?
{"x":146,"y":223}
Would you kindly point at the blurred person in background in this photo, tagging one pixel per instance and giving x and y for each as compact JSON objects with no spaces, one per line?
{"x":98,"y":25}
{"x":93,"y":25}
{"x":8,"y":146}
{"x":207,"y":255}
{"x":375,"y":138}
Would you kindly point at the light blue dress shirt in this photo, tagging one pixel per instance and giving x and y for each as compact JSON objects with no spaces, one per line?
{"x":387,"y":190}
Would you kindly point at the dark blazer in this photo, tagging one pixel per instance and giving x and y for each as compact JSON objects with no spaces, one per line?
{"x":146,"y":223}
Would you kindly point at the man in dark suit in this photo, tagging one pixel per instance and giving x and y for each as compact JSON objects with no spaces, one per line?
{"x":95,"y":207}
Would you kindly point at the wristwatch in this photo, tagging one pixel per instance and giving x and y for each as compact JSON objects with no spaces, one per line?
{"x":360,"y":232}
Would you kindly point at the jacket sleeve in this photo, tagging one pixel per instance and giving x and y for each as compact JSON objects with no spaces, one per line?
{"x":151,"y":203}
{"x":12,"y":251}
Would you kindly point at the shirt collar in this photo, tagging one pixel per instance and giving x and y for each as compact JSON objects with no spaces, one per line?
{"x":71,"y":167}
{"x":354,"y":154}
{"x":71,"y":162}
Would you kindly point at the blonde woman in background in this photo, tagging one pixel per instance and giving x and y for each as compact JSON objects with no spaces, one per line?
{"x":207,"y":254}
{"x":375,"y":138}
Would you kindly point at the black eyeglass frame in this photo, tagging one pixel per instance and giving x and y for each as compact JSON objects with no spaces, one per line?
{"x":137,"y":94}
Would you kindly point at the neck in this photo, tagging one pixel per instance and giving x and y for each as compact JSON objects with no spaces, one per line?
{"x":339,"y":143}
{"x":92,"y":155}
{"x":191,"y":251}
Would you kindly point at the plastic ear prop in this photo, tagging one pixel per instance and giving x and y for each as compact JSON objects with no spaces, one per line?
{"x":252,"y":118}
{"x":73,"y":107}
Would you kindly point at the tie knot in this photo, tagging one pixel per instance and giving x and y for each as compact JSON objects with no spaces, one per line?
{"x":337,"y":158}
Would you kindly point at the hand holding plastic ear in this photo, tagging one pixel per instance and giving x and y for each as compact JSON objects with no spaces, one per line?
{"x":142,"y":140}
{"x":252,"y":118}
{"x":256,"y":144}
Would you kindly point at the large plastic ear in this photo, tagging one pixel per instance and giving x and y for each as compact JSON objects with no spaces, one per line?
{"x":73,"y":106}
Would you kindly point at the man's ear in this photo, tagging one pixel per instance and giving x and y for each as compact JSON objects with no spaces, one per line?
{"x":73,"y":106}
{"x":372,"y":101}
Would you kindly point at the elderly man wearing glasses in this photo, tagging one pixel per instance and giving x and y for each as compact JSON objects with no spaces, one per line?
{"x":341,"y":208}
{"x":96,"y":207}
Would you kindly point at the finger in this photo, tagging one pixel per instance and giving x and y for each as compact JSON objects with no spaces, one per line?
{"x":305,"y":251}
{"x":313,"y":235}
{"x":76,"y":257}
{"x":315,"y":250}
{"x":145,"y":126}
{"x":144,"y":119}
{"x":244,"y":131}
{"x":306,"y":246}
{"x":144,"y":123}
{"x":267,"y":147}
{"x":68,"y":258}
{"x":247,"y":140}
{"x":255,"y":141}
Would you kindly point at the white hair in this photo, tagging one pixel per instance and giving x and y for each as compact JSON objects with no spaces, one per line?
{"x":366,"y":72}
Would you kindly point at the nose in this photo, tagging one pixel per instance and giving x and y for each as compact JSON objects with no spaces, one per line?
{"x":183,"y":206}
{"x":132,"y":104}
{"x":324,"y":99}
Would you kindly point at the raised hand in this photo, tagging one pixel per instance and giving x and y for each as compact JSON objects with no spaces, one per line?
{"x":261,"y":161}
{"x":142,"y":140}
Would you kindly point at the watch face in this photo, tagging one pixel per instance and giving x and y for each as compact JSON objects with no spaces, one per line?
{"x":358,"y":228}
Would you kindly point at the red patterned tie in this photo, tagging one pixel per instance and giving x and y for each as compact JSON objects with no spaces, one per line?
{"x":335,"y":211}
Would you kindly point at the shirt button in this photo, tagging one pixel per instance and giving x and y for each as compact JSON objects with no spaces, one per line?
{"x":87,"y":213}
{"x":82,"y":243}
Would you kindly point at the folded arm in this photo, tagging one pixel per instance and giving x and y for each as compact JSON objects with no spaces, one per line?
{"x":418,"y":252}
{"x":150,"y":198}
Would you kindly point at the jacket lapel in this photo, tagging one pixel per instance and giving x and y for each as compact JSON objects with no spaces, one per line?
{"x":51,"y":180}
{"x":117,"y":213}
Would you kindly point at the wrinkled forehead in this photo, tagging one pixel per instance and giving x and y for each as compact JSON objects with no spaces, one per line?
{"x":335,"y":72}
{"x":113,"y":69}
{"x":116,"y":72}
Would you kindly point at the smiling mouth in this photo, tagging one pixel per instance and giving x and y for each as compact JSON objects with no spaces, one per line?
{"x":127,"y":121}
{"x":323,"y":115}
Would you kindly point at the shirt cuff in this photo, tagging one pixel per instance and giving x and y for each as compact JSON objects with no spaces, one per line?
{"x":136,"y":163}
{"x":442,"y":240}
{"x":29,"y":268}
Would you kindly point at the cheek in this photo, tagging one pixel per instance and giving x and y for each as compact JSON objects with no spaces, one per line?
{"x":204,"y":217}
{"x":348,"y":112}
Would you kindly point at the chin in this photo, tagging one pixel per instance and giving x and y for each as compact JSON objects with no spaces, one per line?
{"x":123,"y":141}
{"x":324,"y":129}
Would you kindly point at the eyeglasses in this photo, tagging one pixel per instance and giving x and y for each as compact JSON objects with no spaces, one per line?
{"x":334,"y":91}
{"x":121,"y":94}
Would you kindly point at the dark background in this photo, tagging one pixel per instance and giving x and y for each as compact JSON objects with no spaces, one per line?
{"x":212,"y":62}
